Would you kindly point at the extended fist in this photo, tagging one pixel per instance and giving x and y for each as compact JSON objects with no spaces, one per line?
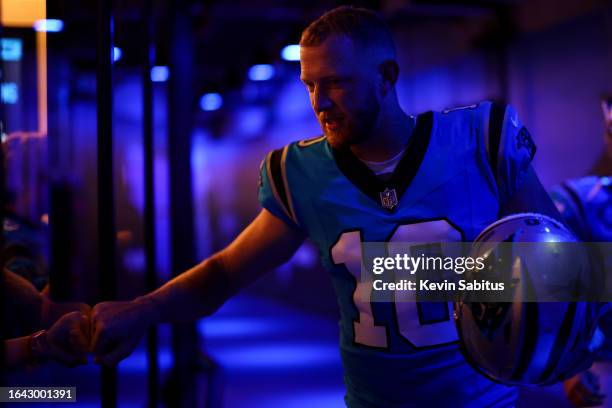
{"x":110,"y":331}
{"x":117,"y":328}
{"x":68,"y":340}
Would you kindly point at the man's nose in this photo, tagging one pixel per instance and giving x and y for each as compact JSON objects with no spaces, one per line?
{"x":321,"y":101}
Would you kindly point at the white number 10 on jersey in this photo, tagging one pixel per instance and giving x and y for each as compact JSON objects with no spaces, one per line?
{"x":410,"y":322}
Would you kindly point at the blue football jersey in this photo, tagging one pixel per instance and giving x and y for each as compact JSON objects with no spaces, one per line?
{"x":586,"y":206}
{"x":457,"y":170}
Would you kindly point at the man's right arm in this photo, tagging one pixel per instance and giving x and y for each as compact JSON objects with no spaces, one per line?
{"x":265,"y":244}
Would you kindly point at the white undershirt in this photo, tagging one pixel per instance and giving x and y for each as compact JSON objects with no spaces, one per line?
{"x":384,"y":167}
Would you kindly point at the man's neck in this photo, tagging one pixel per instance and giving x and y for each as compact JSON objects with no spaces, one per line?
{"x":390,"y":139}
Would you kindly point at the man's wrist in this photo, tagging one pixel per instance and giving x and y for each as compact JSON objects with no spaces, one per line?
{"x":38,"y":347}
{"x":152,"y":308}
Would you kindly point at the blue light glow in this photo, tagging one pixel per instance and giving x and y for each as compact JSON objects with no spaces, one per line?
{"x":9,"y":93}
{"x":211,"y":102}
{"x":261,"y":72}
{"x":49,"y":25}
{"x":305,"y":397}
{"x":11,"y":49}
{"x":137,"y":361}
{"x":291,"y":53}
{"x":247,"y":327}
{"x":159,"y":73}
{"x":116,"y":54}
{"x":278,"y":355}
{"x":250,"y":121}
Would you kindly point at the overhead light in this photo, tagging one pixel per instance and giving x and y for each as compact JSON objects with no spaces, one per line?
{"x":11,"y":49}
{"x":211,"y":102}
{"x":9,"y":92}
{"x":160,"y":73}
{"x":116,"y":54}
{"x":291,"y":53}
{"x":49,"y":25}
{"x":261,"y":72}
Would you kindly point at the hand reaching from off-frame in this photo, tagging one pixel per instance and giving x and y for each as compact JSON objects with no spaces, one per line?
{"x":68,"y":340}
{"x":117,"y":327}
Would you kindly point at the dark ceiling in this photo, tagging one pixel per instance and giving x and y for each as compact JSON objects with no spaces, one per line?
{"x":229,"y":36}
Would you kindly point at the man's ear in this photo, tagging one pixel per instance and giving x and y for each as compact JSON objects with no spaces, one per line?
{"x":389,"y":72}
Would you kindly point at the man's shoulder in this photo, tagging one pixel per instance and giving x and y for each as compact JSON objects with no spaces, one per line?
{"x":464,"y":109}
{"x":459,"y":126}
{"x":466,"y":114}
{"x":301,"y":156}
{"x":301,"y":144}
{"x":299,"y":150}
{"x":317,"y":140}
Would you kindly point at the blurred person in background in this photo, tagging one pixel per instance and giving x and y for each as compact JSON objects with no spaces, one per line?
{"x":585,"y":204}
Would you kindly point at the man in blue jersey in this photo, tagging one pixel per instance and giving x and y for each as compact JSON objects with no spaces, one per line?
{"x":376,"y":174}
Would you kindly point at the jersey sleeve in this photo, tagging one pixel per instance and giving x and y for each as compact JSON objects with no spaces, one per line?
{"x":274,"y":194}
{"x":510,"y":149}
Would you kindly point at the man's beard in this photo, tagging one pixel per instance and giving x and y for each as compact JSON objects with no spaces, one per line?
{"x":356,"y":131}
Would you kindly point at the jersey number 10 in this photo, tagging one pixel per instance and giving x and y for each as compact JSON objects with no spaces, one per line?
{"x":411,"y":316}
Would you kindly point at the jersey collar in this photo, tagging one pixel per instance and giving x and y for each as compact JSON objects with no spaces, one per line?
{"x":388,"y":193}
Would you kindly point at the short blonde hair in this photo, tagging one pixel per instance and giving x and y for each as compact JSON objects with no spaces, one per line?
{"x":366,"y":27}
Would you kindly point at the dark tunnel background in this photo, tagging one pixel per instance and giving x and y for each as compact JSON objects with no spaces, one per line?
{"x":224,"y":90}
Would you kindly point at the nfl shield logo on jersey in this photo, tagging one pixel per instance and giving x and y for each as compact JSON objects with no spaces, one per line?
{"x":388,"y":198}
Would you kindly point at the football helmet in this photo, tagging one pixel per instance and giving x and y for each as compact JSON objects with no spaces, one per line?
{"x":527,"y":342}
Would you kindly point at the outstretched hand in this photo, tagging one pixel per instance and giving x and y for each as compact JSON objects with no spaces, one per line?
{"x":117,"y":327}
{"x":68,"y":340}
